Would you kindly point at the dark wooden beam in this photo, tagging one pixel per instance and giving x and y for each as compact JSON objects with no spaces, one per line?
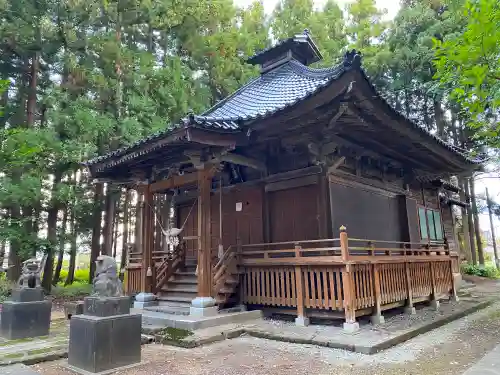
{"x":242,"y":160}
{"x":173,"y":182}
{"x":213,"y":138}
{"x":333,"y":121}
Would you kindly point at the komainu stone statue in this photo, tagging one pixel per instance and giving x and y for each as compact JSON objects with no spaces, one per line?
{"x":30,"y":275}
{"x":106,"y":281}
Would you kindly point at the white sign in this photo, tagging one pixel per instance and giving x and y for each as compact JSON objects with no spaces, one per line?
{"x":239,"y":206}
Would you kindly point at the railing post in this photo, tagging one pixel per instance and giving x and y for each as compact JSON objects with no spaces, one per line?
{"x":302,"y":319}
{"x":409,"y":309}
{"x":454,"y":295}
{"x":377,"y":317}
{"x":434,"y":300}
{"x":350,"y":324}
{"x":241,"y":276}
{"x":344,"y":244}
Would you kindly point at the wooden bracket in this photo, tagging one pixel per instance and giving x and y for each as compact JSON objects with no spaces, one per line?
{"x":333,"y":121}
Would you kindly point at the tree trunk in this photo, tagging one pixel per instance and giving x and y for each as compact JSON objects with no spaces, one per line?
{"x":96,"y":229}
{"x":15,"y":247}
{"x":109,"y":219}
{"x":3,"y":244}
{"x":477,"y":231}
{"x":126,"y":216}
{"x":116,"y":222}
{"x":465,"y":225}
{"x":440,"y":121}
{"x":470,"y":222}
{"x":138,"y":223}
{"x":51,"y":235}
{"x":31,"y":103}
{"x":62,"y":245}
{"x":72,"y":252}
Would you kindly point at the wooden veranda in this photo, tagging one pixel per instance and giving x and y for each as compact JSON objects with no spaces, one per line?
{"x":264,"y":180}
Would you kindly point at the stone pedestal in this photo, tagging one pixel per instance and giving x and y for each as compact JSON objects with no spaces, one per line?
{"x":203,"y":307}
{"x":143,"y":300}
{"x":27,"y":314}
{"x":105,"y":337}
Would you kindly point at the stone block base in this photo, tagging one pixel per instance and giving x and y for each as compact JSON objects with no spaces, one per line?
{"x":145,"y":297}
{"x":351,"y":327}
{"x":98,"y":344}
{"x":106,"y":306}
{"x":435,"y":304}
{"x":302,"y":321}
{"x":27,"y":294}
{"x":410,"y":310}
{"x":203,"y":311}
{"x":73,"y":308}
{"x":20,"y":320}
{"x":143,"y":304}
{"x":377,"y":319}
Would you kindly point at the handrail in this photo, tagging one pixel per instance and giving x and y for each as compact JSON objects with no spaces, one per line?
{"x":224,"y":256}
{"x":171,"y":263}
{"x":291,"y":242}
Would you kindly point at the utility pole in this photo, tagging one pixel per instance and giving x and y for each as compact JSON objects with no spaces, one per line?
{"x":488,"y":202}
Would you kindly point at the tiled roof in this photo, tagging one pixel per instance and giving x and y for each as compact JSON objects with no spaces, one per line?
{"x":265,"y":95}
{"x":273,"y":91}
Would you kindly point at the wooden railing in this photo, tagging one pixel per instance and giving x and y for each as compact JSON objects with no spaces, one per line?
{"x":225,"y":275}
{"x":133,"y":279}
{"x":170,"y":264}
{"x":354,"y":276}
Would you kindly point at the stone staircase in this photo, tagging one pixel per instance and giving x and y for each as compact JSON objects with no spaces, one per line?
{"x":176,"y":295}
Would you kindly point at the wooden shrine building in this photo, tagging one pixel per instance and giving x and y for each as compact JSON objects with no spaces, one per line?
{"x":303,"y":193}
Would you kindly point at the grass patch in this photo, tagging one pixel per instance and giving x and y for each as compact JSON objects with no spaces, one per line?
{"x":77,"y":289}
{"x":489,"y":271}
{"x":12,"y":355}
{"x":19,"y":341}
{"x":175,"y":334}
{"x":44,"y":350}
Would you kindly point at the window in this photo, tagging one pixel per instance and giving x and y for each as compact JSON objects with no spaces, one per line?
{"x":430,"y":224}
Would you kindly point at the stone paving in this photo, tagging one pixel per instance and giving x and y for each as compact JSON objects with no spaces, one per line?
{"x":31,"y":350}
{"x":488,"y":365}
{"x":370,"y":339}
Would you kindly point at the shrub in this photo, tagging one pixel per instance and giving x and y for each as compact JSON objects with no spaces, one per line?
{"x":74,"y":290}
{"x":482,"y":271}
{"x":82,"y":275}
{"x":62,"y":276}
{"x":5,"y":288}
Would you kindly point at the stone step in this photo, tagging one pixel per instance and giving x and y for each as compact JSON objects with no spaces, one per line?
{"x":184,"y":277}
{"x":185,"y":273}
{"x":184,"y":281}
{"x":182,"y":288}
{"x":176,"y":297}
{"x":170,"y":309}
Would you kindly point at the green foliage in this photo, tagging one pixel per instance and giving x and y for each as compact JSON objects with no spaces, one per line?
{"x":488,"y":271}
{"x":468,"y":65}
{"x":77,"y":289}
{"x":5,"y":288}
{"x":81,"y":276}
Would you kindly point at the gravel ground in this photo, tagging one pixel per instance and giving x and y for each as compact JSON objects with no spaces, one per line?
{"x":447,"y":350}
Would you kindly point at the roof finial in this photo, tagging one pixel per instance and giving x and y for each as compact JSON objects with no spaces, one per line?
{"x":306,"y":31}
{"x":352,"y":59}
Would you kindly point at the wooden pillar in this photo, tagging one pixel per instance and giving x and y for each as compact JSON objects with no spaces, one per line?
{"x":147,"y":242}
{"x":204,"y":243}
{"x":324,"y":212}
{"x":350,"y":324}
{"x":377,"y":317}
{"x":409,"y":300}
{"x":301,"y":319}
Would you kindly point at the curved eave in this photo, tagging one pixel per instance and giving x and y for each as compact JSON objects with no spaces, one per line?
{"x":432,"y":141}
{"x":188,"y":135}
